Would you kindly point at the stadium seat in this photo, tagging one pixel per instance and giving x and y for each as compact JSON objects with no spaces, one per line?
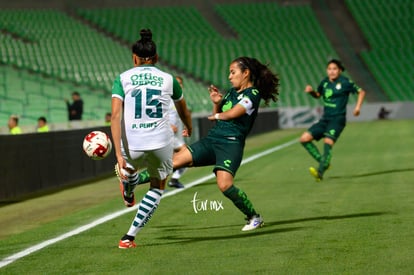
{"x":390,"y":54}
{"x":209,"y":61}
{"x":82,"y":58}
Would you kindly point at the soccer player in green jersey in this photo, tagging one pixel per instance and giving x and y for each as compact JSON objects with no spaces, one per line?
{"x":334,"y":90}
{"x":234,"y":113}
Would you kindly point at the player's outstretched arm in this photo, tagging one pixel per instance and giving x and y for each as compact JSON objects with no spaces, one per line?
{"x":235,"y":112}
{"x":360,"y":100}
{"x":309,"y":90}
{"x":216,"y":96}
{"x":116,"y":131}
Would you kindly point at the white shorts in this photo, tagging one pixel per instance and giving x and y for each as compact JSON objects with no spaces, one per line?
{"x":158,"y":162}
{"x":178,"y":142}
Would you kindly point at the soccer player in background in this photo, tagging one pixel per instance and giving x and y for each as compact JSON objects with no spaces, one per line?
{"x":142,"y":135}
{"x":235,"y":113}
{"x":334,"y":90}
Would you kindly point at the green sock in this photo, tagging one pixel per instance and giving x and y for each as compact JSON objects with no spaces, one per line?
{"x":240,"y":200}
{"x":312,"y":150}
{"x":143,"y":177}
{"x":326,"y":158}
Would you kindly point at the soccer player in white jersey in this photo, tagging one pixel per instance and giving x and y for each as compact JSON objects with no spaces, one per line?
{"x":179,"y":143}
{"x":141,"y":132}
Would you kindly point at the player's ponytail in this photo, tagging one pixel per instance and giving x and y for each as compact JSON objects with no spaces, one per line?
{"x":146,"y":35}
{"x":145,"y":48}
{"x":262,"y":77}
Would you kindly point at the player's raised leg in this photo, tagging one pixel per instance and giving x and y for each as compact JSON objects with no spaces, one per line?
{"x":307,"y":142}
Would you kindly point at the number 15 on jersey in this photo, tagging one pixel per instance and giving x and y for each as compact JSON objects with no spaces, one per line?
{"x":147,"y":100}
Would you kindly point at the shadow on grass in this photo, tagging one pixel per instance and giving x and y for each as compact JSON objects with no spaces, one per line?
{"x":374,"y":173}
{"x":167,"y":240}
{"x":336,"y":217}
{"x":267,"y":229}
{"x":176,"y":227}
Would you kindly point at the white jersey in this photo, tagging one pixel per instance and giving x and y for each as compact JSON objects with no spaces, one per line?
{"x":146,"y":93}
{"x":175,"y":118}
{"x":176,"y":121}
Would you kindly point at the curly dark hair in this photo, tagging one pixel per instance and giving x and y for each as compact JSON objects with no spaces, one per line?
{"x":262,"y":77}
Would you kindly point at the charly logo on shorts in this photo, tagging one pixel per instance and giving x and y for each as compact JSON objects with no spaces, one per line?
{"x":227,"y":162}
{"x":332,"y":132}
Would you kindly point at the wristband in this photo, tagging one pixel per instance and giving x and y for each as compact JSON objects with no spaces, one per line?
{"x":217,"y":116}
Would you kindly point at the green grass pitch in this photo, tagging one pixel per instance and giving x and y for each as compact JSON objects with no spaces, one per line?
{"x":358,"y":220}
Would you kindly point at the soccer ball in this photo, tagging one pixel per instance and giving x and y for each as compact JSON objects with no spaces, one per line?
{"x":97,"y":145}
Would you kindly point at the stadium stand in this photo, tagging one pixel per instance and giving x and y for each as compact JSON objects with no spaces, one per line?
{"x":30,"y":96}
{"x":52,"y":63}
{"x":289,"y":38}
{"x":52,"y":43}
{"x":389,"y":29}
{"x":45,"y":49}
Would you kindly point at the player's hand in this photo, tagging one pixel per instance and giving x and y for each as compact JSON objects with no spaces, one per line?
{"x":121,"y":167}
{"x":174,"y":128}
{"x":187,"y":132}
{"x":308,"y":89}
{"x":215,"y":94}
{"x":356,"y":112}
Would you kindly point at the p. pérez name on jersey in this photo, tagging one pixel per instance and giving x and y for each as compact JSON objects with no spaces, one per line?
{"x":147,"y":79}
{"x":144,"y":125}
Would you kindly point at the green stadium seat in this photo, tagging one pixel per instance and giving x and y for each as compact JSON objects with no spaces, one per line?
{"x":388,"y":27}
{"x":80,"y":58}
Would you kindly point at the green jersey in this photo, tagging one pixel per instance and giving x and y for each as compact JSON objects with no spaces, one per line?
{"x":335,"y":95}
{"x":237,"y":128}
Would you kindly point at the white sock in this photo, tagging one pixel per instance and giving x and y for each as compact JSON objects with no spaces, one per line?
{"x":146,"y":209}
{"x":178,"y":173}
{"x":130,"y":183}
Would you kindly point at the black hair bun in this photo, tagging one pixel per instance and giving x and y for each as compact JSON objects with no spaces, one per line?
{"x":146,"y":35}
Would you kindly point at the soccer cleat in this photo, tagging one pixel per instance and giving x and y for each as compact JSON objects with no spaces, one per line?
{"x":128,"y":201}
{"x":125,"y":244}
{"x":315,"y":173}
{"x":175,"y":183}
{"x":253,"y":223}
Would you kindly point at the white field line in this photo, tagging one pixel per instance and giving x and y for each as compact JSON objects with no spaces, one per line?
{"x":12,"y":258}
